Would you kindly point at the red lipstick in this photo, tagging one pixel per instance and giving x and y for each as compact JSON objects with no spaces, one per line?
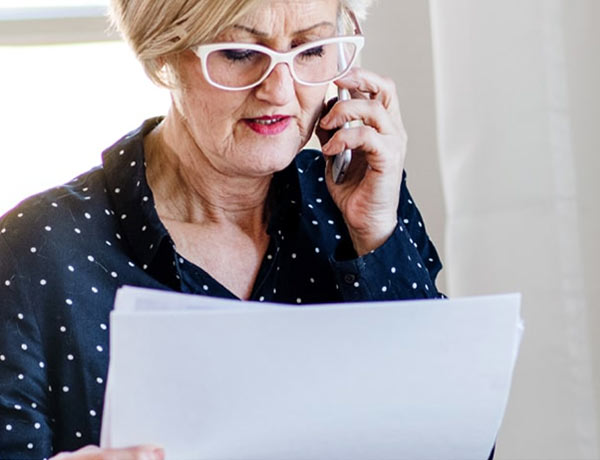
{"x":269,"y":125}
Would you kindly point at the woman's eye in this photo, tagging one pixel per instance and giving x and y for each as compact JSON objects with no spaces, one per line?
{"x":317,"y":51}
{"x":238,"y":55}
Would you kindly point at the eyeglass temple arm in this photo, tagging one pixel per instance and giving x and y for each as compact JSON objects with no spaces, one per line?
{"x":354,"y":19}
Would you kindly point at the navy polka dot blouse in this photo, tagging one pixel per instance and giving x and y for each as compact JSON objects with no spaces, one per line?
{"x":64,"y":252}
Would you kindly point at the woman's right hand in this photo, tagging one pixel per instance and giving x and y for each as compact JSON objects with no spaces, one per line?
{"x":145,"y":452}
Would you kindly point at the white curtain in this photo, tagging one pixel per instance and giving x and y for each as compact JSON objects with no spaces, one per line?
{"x":518,"y":107}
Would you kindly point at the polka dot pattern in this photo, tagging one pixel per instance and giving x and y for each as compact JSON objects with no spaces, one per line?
{"x":65,"y":252}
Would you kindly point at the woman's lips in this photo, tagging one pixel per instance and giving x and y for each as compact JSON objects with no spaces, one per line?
{"x":269,"y":125}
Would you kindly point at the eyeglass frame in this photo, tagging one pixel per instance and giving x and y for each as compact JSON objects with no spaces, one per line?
{"x":277,"y":57}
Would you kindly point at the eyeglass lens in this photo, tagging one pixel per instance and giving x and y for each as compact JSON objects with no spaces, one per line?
{"x":237,"y":68}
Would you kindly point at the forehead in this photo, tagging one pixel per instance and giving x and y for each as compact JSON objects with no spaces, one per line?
{"x":284,"y":17}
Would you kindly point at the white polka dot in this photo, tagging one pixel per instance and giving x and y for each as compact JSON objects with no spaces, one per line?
{"x":144,"y":228}
{"x":41,"y":364}
{"x":20,"y":316}
{"x":65,"y":389}
{"x":71,"y":268}
{"x":30,"y":446}
{"x":91,"y":258}
{"x":338,"y":237}
{"x":298,"y":300}
{"x":37,"y":425}
{"x":43,"y":282}
{"x":108,"y":243}
{"x":20,"y":376}
{"x":123,"y":216}
{"x":426,"y":287}
{"x":393,"y":269}
{"x":317,"y":250}
{"x":384,"y":288}
{"x":76,"y":230}
{"x":132,"y":164}
{"x":63,"y":329}
{"x":20,"y":215}
{"x":99,"y":348}
{"x":48,"y":228}
{"x":117,"y":190}
{"x":99,"y":379}
{"x":88,"y":216}
{"x":205,"y":287}
{"x":34,"y":405}
{"x":314,"y":222}
{"x":269,"y":257}
{"x":293,"y":255}
{"x":312,"y":280}
{"x":7,"y":283}
{"x":261,"y":298}
{"x":33,"y":250}
{"x":94,"y":290}
{"x":103,"y":326}
{"x":78,"y":434}
{"x":3,"y":230}
{"x":68,"y":301}
{"x":131,"y":264}
{"x":320,"y":179}
{"x":70,"y":357}
{"x":410,"y":201}
{"x":319,"y":200}
{"x":330,"y":222}
{"x":114,"y":274}
{"x":93,"y":413}
{"x":414,"y":285}
{"x":406,"y":221}
{"x":419,"y":265}
{"x":8,"y":427}
{"x":356,"y":284}
{"x":2,"y":358}
{"x":18,"y":407}
{"x":311,"y":206}
{"x":274,"y":290}
{"x":145,"y":199}
{"x":23,"y":346}
{"x":121,"y":152}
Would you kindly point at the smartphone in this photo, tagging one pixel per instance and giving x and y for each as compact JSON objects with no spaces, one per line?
{"x":342,"y":160}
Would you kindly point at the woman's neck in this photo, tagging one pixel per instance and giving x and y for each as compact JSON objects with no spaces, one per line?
{"x":187,"y":187}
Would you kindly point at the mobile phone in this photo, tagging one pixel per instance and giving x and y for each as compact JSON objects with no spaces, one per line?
{"x":342,"y":160}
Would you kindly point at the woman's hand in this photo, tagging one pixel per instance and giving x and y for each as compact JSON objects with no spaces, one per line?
{"x":368,"y":197}
{"x":145,"y":452}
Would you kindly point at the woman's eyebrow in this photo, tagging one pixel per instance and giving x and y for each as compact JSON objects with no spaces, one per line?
{"x":258,"y":33}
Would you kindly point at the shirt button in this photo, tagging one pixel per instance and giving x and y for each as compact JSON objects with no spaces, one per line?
{"x":349,"y":278}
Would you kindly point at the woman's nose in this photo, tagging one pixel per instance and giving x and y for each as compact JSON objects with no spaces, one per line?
{"x":278,"y":88}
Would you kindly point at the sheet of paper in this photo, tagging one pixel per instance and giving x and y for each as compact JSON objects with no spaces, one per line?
{"x":223,"y":380}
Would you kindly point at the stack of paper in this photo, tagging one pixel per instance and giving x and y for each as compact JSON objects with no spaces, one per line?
{"x":216,"y":379}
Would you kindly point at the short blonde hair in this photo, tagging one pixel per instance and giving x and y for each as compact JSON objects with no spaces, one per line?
{"x":158,"y":30}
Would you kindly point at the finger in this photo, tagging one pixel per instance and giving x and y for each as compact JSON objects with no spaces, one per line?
{"x":366,"y":139}
{"x":370,"y":112}
{"x":377,"y":87}
{"x":143,"y":452}
{"x":323,"y":134}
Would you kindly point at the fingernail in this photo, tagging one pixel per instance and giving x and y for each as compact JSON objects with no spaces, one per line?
{"x":324,"y":122}
{"x":158,"y":454}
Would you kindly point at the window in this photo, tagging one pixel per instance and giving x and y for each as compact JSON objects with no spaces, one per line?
{"x":64,"y":102}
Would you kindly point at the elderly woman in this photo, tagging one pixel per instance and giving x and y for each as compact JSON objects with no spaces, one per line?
{"x":216,"y":198}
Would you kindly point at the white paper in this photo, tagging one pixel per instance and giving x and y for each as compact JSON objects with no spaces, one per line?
{"x":226,"y":380}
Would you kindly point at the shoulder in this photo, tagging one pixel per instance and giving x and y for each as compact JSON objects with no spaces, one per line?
{"x":56,"y":217}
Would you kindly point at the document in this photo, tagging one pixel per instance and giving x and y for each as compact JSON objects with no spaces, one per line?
{"x":215,"y":379}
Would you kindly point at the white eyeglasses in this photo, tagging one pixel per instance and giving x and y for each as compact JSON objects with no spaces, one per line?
{"x":241,"y":66}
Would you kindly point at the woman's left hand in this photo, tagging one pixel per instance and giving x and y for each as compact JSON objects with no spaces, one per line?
{"x":368,"y":197}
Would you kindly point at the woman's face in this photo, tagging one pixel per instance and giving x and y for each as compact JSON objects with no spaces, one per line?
{"x":223,"y":124}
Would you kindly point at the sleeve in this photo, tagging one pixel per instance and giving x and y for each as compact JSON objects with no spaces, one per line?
{"x":24,"y":413}
{"x":404,"y":267}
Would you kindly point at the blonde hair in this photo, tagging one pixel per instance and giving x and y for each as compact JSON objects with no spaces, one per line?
{"x":158,"y":30}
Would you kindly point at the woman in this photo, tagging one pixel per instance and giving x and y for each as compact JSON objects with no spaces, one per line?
{"x":212,"y":199}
